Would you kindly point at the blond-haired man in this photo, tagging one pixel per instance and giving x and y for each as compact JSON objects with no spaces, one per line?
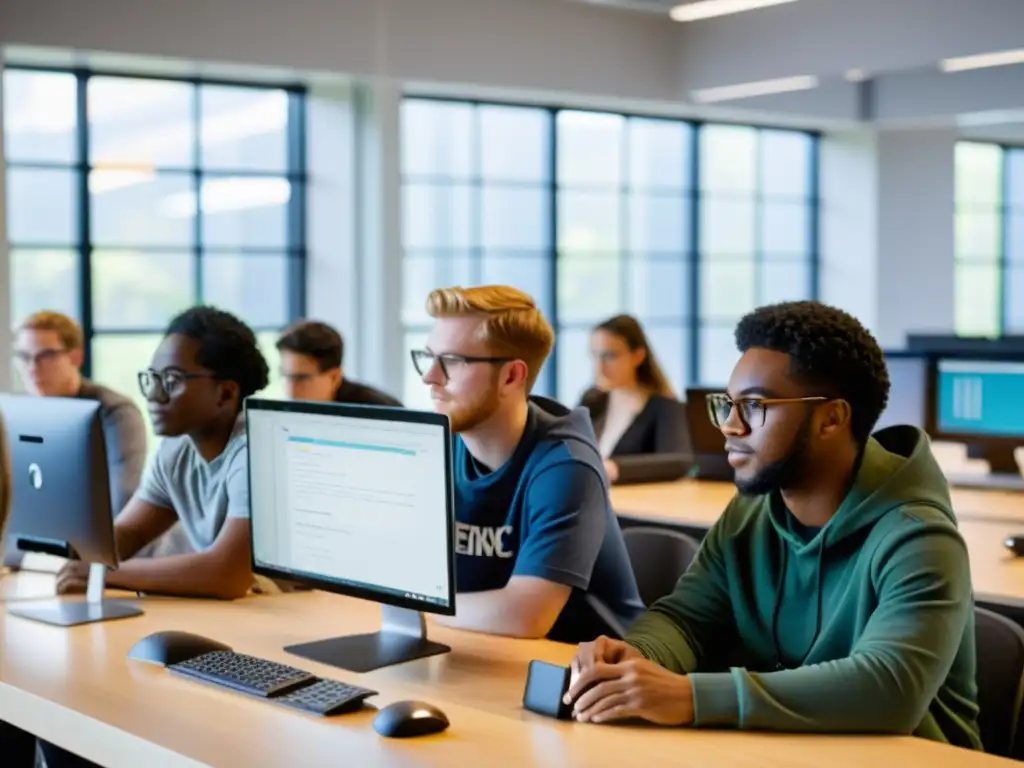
{"x":535,"y":532}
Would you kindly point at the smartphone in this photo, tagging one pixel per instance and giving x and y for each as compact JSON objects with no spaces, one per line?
{"x":546,"y":685}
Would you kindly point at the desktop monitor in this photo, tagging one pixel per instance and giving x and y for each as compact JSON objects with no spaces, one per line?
{"x":978,"y":401}
{"x":356,"y":500}
{"x":61,"y":499}
{"x":908,"y":390}
{"x":709,"y":454}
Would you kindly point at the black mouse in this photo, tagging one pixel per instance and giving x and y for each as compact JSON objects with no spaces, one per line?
{"x":409,"y":718}
{"x":163,"y":648}
{"x":1015,"y":543}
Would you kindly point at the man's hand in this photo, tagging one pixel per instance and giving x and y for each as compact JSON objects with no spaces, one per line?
{"x":73,"y":578}
{"x":612,"y":681}
{"x":612,"y":469}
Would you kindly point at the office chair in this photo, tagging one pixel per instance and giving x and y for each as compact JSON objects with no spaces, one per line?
{"x":659,"y":556}
{"x":1000,"y":676}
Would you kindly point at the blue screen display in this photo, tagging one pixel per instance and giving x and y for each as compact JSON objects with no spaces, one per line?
{"x":981,"y":398}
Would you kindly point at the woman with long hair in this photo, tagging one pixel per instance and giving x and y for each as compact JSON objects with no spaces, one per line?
{"x":637,"y":417}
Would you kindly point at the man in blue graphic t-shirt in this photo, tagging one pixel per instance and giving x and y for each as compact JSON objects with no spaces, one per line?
{"x":535,"y":532}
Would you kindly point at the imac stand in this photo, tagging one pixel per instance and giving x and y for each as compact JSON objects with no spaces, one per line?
{"x":402,"y":637}
{"x":94,"y":608}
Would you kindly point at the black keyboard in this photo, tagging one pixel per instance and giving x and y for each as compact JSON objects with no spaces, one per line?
{"x":279,"y":683}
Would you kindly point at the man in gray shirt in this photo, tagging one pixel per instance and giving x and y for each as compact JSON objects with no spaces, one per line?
{"x":49,"y":349}
{"x":206,"y":365}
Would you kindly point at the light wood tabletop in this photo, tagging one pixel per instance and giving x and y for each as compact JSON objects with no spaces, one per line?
{"x":76,"y":688}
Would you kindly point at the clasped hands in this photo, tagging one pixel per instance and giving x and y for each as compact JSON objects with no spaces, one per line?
{"x":611,"y":681}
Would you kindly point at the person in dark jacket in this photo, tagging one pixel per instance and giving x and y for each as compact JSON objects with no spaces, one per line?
{"x":311,"y":363}
{"x":639,"y":422}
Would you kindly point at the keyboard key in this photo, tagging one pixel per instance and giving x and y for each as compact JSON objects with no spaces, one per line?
{"x":247,"y":674}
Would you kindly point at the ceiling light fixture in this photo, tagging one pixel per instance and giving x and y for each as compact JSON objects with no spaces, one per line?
{"x":758,"y":88}
{"x":982,"y":61}
{"x":708,"y":9}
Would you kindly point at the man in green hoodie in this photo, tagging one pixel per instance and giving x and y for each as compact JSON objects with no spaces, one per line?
{"x":834,"y":593}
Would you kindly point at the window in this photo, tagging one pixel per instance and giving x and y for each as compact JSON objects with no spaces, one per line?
{"x":685,"y":226}
{"x":133,"y":198}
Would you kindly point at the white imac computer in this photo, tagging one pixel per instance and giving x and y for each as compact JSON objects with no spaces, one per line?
{"x":61,"y":501}
{"x":356,"y":500}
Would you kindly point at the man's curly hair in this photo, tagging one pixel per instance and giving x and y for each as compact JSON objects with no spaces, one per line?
{"x":227,"y":347}
{"x":829,"y":351}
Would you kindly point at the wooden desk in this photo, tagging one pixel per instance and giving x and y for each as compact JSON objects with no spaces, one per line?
{"x":76,"y":688}
{"x":997,"y":574}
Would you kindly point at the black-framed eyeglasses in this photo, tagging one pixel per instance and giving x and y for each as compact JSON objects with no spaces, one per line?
{"x":423,"y":360}
{"x":752,"y":410}
{"x":167,"y":383}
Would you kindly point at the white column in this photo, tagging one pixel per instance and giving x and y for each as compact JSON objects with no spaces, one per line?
{"x":6,"y":348}
{"x":888,"y":230}
{"x":382,"y":359}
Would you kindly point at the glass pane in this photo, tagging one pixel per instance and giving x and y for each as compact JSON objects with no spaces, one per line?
{"x":784,"y":281}
{"x":133,"y":209}
{"x":727,"y":228}
{"x":515,"y":143}
{"x":977,"y":235}
{"x":785,"y":163}
{"x":728,"y":289}
{"x":243,"y":128}
{"x":116,"y":362}
{"x":1015,"y":237}
{"x":588,"y":287}
{"x":266,"y":341}
{"x":669,"y":345}
{"x":977,"y":300}
{"x":1015,"y":177}
{"x":590,"y":148}
{"x":728,"y":158}
{"x":530,"y":274}
{"x":415,"y":394}
{"x":785,"y":228}
{"x":424,"y":273}
{"x":140,"y":290}
{"x":515,"y":218}
{"x":588,"y":222}
{"x":659,"y":288}
{"x":437,"y":138}
{"x":253,"y":287}
{"x":438,"y":216}
{"x":40,"y":115}
{"x":1014,"y":277}
{"x":658,"y":224}
{"x":979,"y":173}
{"x":244,"y":212}
{"x":575,"y":369}
{"x":41,"y":207}
{"x":659,"y":154}
{"x":43,"y":280}
{"x":141,"y":122}
{"x":718,"y":355}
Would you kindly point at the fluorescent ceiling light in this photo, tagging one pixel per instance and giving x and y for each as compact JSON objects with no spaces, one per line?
{"x":982,"y":61}
{"x":758,"y":88}
{"x":707,"y":9}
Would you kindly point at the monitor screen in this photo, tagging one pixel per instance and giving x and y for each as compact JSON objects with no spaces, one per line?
{"x":980,"y":397}
{"x":908,"y":392}
{"x":360,"y":503}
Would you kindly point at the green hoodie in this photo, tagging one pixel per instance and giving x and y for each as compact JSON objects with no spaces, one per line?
{"x":864,"y":625}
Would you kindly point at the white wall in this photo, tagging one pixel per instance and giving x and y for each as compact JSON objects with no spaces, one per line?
{"x":6,"y":349}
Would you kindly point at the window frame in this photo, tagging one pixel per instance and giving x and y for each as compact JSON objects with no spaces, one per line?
{"x":692,"y":319}
{"x":295,"y":172}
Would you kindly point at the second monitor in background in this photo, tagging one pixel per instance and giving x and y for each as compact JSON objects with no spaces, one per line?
{"x":356,"y":500}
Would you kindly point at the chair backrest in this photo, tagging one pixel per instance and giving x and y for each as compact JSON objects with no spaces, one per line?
{"x":999,"y":644}
{"x":659,"y":556}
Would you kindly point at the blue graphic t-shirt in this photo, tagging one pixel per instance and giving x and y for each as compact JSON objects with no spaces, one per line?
{"x":545,"y":513}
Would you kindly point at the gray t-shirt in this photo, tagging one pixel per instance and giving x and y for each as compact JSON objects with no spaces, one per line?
{"x":203,"y":495}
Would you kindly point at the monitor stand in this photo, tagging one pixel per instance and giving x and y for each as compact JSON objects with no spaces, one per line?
{"x":68,"y":614}
{"x":402,"y":637}
{"x":1004,"y":472}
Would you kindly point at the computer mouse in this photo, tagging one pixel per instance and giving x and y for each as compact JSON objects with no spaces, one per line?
{"x":1015,"y":544}
{"x":409,"y":718}
{"x":163,"y":648}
